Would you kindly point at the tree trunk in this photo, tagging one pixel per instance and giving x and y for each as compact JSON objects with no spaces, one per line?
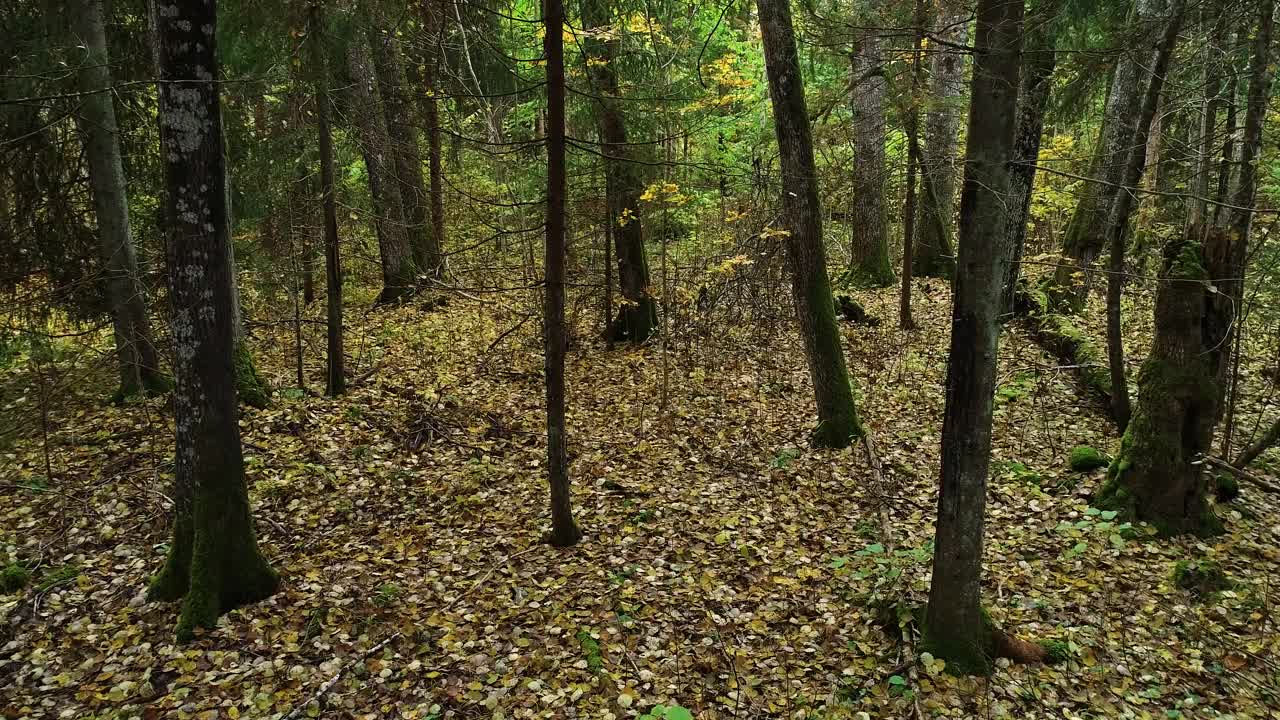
{"x":1086,"y":234}
{"x":838,"y":422}
{"x":638,"y":317}
{"x":934,"y":256}
{"x":1038,"y":62}
{"x":214,"y":559}
{"x":956,"y":627}
{"x":1215,"y":58}
{"x":336,"y":379}
{"x":430,"y":109}
{"x":912,"y":114}
{"x":398,"y":267}
{"x":912,"y":122}
{"x":871,"y":266}
{"x":137,"y":357}
{"x":405,"y":148}
{"x":1117,"y":223}
{"x":564,"y":531}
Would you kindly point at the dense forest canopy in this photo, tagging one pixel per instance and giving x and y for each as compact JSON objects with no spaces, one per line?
{"x":639,"y":359}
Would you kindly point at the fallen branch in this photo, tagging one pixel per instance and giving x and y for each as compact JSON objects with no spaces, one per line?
{"x":328,"y":685}
{"x":1261,"y":484}
{"x":1252,"y":452}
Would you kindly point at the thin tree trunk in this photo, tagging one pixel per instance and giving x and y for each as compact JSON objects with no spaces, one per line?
{"x":870,"y":266}
{"x":431,"y":113}
{"x":912,"y":121}
{"x":335,"y":376}
{"x":1116,"y":227}
{"x":956,"y":627}
{"x":838,"y":422}
{"x":398,"y":267}
{"x":1038,"y":63}
{"x":564,"y":531}
{"x":138,"y":361}
{"x":1086,"y":234}
{"x":934,"y":255}
{"x":638,"y":317}
{"x":1215,"y":57}
{"x":214,"y":560}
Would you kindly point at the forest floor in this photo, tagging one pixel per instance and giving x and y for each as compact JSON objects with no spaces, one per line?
{"x":726,"y":568}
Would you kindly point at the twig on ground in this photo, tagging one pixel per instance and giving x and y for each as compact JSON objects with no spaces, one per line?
{"x":328,"y":685}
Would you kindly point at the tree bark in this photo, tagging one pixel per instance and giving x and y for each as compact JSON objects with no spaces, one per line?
{"x":638,"y":316}
{"x":1086,"y":234}
{"x":871,"y":266}
{"x":956,"y":627}
{"x":1116,"y":227}
{"x":430,"y":108}
{"x":1215,"y":58}
{"x":1038,"y":63}
{"x":838,"y":422}
{"x":912,"y":122}
{"x":139,"y":363}
{"x":335,"y":377}
{"x":405,"y":148}
{"x":213,"y":562}
{"x":564,"y":531}
{"x":398,"y":268}
{"x":934,"y":255}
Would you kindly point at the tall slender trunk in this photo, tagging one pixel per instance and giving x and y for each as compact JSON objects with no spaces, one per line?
{"x":934,"y":254}
{"x":638,"y":317}
{"x":139,"y":364}
{"x":398,"y":268}
{"x":1215,"y":57}
{"x":1086,"y":235}
{"x":335,"y":377}
{"x":870,"y":266}
{"x":405,"y":147}
{"x":912,"y":121}
{"x":564,"y":531}
{"x":956,"y":628}
{"x":430,"y":108}
{"x":838,"y":422}
{"x":213,"y":562}
{"x":1116,"y":227}
{"x":1038,"y":62}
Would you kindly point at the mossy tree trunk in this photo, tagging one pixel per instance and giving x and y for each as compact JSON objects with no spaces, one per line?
{"x":956,"y":629}
{"x":1086,"y":236}
{"x":213,"y":562}
{"x":399,"y":271}
{"x":934,"y":255}
{"x":870,"y":265}
{"x":838,"y":421}
{"x":638,"y":316}
{"x":1038,"y":62}
{"x":564,"y":531}
{"x":406,"y":148}
{"x":1152,"y":478}
{"x":137,"y":357}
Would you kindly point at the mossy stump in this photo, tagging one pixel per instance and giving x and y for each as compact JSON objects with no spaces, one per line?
{"x":1086,"y":459}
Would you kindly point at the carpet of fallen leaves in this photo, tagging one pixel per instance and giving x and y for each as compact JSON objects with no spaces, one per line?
{"x":726,"y":567}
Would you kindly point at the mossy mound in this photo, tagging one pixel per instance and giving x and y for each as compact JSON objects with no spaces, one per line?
{"x":1225,"y":487}
{"x":852,"y":311}
{"x":250,"y":387}
{"x":1086,"y":459}
{"x":1056,"y":652}
{"x":1201,"y":578}
{"x":13,"y":578}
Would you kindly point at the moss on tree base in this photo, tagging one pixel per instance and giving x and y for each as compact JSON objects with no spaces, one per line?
{"x":250,"y":387}
{"x":837,"y":433}
{"x":563,"y":536}
{"x":636,"y":322}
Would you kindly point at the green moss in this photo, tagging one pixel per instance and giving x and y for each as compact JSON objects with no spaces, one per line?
{"x":591,"y":649}
{"x":1055,"y":652}
{"x":61,"y":576}
{"x":1086,"y":459}
{"x":1226,"y":487}
{"x":250,"y":387}
{"x":1201,"y":578}
{"x":13,"y":578}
